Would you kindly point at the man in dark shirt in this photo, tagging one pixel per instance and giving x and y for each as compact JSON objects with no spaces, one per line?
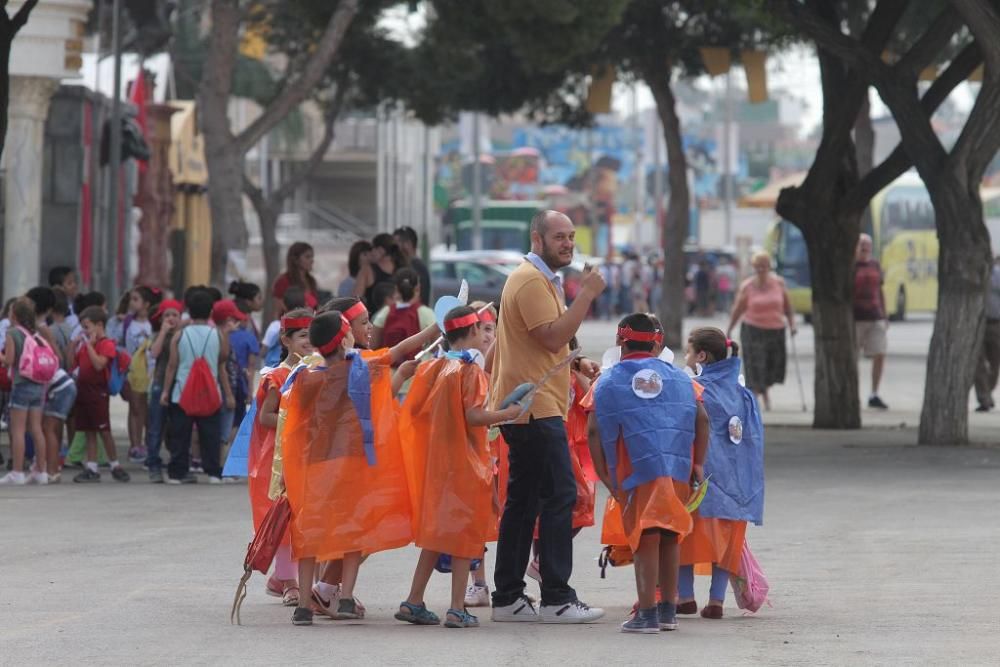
{"x":870,"y":323}
{"x":406,"y":238}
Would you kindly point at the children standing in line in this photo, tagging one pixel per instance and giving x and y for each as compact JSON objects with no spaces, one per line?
{"x":646,"y":414}
{"x":27,"y":394}
{"x":199,"y":340}
{"x":166,"y":321}
{"x":295,"y":340}
{"x":137,"y":334}
{"x":735,"y":464}
{"x":340,"y":450}
{"x":450,"y":467}
{"x":96,"y":351}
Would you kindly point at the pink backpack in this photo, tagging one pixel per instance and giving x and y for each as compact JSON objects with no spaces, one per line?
{"x":750,"y":587}
{"x":38,"y":362}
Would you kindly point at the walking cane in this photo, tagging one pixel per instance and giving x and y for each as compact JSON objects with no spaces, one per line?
{"x":798,"y":374}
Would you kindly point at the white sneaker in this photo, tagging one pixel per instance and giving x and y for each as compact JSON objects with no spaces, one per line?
{"x":522,"y":611}
{"x":477,"y":595}
{"x":324,"y":605}
{"x":13,"y":478}
{"x":215,"y":480}
{"x":35,"y":477}
{"x":571,"y":612}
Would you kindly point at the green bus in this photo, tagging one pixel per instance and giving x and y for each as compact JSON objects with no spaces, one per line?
{"x":506,"y":225}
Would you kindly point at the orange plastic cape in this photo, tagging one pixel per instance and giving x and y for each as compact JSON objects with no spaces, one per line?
{"x":340,"y":504}
{"x":261,"y":454}
{"x":448,"y":463}
{"x":718,"y":541}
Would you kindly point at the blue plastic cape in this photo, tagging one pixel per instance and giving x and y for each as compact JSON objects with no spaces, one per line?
{"x":736,"y":446}
{"x":238,"y":461}
{"x":359,"y":389}
{"x":653,"y":406}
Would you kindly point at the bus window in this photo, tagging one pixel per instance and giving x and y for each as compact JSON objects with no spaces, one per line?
{"x":792,"y":258}
{"x":905,"y":208}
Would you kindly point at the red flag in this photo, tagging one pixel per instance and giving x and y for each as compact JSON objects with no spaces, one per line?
{"x":139,"y":97}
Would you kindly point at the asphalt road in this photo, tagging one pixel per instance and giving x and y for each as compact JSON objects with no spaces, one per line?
{"x":877,"y":552}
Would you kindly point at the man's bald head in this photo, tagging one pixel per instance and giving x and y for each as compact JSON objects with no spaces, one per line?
{"x":552,"y":238}
{"x":864,"y":250}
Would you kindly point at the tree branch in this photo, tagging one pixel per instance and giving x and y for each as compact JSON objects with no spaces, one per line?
{"x":295,"y":91}
{"x":984,"y":23}
{"x":295,"y":180}
{"x":21,"y":17}
{"x":931,"y":43}
{"x":898,"y":161}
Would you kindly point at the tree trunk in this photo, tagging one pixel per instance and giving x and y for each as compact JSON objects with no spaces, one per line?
{"x":222,"y":155}
{"x":675,"y":230}
{"x":964,"y":261}
{"x":272,"y":254}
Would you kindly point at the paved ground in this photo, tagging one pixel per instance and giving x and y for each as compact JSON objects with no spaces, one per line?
{"x":878,"y":552}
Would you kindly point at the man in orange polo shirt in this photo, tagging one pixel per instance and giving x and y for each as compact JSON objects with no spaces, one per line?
{"x":533,"y":335}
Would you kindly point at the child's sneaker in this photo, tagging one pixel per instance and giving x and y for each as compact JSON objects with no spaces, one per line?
{"x":326,"y":598}
{"x":668,"y":615}
{"x":119,"y":474}
{"x":13,"y":478}
{"x":645,"y":621}
{"x":302,"y":616}
{"x":88,"y":476}
{"x":477,"y":595}
{"x":521,"y":610}
{"x":196,"y":466}
{"x":35,"y":477}
{"x":137,"y":454}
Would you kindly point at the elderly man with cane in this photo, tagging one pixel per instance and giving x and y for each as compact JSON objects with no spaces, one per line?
{"x":533,"y":336}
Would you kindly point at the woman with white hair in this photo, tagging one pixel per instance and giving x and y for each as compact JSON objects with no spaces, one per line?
{"x":763,"y":304}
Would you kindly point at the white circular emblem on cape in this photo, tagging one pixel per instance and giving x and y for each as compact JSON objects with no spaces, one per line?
{"x":647,"y":383}
{"x":735,"y":430}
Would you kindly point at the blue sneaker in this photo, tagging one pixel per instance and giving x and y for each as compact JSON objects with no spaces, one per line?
{"x":668,"y":615}
{"x":645,"y":621}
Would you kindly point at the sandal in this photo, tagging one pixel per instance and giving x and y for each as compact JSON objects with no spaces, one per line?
{"x":290,"y":596}
{"x":418,"y":614}
{"x":465,"y":619}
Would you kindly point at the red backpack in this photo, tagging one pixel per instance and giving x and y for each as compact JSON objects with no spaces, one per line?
{"x":200,"y":396}
{"x":400,"y":324}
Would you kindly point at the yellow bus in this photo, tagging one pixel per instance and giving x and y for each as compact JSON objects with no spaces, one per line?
{"x":905,"y":243}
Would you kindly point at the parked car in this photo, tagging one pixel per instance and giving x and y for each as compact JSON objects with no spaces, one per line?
{"x":485,"y":271}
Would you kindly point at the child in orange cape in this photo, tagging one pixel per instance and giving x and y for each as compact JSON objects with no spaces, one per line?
{"x":449,"y":466}
{"x":343,"y":467}
{"x":294,"y":338}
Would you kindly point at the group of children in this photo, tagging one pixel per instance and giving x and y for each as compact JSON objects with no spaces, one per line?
{"x":153,"y":352}
{"x":366,"y":469}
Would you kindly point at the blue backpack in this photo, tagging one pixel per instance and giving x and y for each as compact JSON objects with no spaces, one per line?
{"x":119,"y":372}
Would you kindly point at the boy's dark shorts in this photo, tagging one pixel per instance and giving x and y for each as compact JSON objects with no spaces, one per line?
{"x":92,"y":408}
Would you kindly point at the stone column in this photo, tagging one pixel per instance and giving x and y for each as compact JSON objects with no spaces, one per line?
{"x":24,"y":157}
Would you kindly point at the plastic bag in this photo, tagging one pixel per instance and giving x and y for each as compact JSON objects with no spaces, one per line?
{"x":750,"y":587}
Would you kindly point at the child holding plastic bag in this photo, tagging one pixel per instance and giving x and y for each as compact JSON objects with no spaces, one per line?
{"x":449,"y":466}
{"x":735,"y":466}
{"x":294,"y":340}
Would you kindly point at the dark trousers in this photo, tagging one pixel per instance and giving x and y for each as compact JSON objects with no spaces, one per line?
{"x":988,"y":369}
{"x":541,"y":487}
{"x":179,"y":428}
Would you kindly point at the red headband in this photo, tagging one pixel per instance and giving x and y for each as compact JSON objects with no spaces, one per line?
{"x":487,"y":316}
{"x":659,"y":338}
{"x":461,"y":322}
{"x":355,"y":311}
{"x":729,"y":342}
{"x":627,"y":333}
{"x":328,"y":349}
{"x":295,"y":323}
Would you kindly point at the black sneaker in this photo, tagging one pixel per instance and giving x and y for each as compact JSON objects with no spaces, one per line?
{"x":302,"y":616}
{"x":119,"y":474}
{"x":876,"y":402}
{"x":87,"y":476}
{"x":156,"y":476}
{"x":190,"y":478}
{"x":983,"y":408}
